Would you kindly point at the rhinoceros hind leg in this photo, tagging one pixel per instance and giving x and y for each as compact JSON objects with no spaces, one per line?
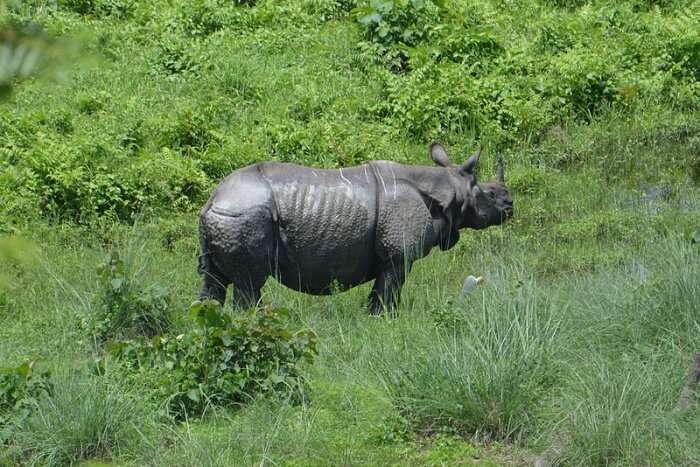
{"x":245,"y":297}
{"x":213,"y":288}
{"x":246,"y":291}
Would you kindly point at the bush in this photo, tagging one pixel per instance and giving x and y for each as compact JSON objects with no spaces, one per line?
{"x":190,"y":132}
{"x":468,"y":45}
{"x":91,"y":103}
{"x":175,"y":55}
{"x":225,"y":360}
{"x":21,"y":388}
{"x":78,"y":181}
{"x":115,"y":8}
{"x":398,"y":21}
{"x":584,"y":82}
{"x":429,"y":102}
{"x":199,"y":17}
{"x":125,"y":307}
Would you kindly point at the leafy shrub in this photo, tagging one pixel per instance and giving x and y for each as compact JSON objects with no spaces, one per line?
{"x":82,"y":7}
{"x":226,"y":359}
{"x":115,"y":8}
{"x":398,"y":21}
{"x":176,"y":231}
{"x":293,"y":142}
{"x":91,"y":103}
{"x":566,"y":3}
{"x":168,"y":180}
{"x":554,"y":38}
{"x":199,"y":17}
{"x":79,"y":181}
{"x":584,"y":82}
{"x":175,"y":55}
{"x":429,"y":102}
{"x":529,"y":180}
{"x":62,"y":122}
{"x":21,"y":388}
{"x":132,"y":138}
{"x":326,"y":10}
{"x":466,"y":44}
{"x":126,"y":307}
{"x":190,"y":131}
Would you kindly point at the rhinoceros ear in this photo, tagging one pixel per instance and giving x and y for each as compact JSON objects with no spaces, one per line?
{"x":470,"y":164}
{"x":439,"y":155}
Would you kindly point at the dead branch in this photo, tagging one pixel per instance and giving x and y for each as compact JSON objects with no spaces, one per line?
{"x":687,"y":399}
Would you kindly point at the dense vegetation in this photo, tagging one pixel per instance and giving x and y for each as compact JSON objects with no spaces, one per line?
{"x":579,"y":340}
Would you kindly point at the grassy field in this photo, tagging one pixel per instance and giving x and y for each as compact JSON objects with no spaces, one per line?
{"x":578,"y":343}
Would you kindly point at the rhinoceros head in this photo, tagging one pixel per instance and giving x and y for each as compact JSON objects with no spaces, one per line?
{"x":479,"y":204}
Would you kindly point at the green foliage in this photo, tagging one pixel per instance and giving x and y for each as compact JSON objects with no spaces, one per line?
{"x":529,"y":180}
{"x":421,"y":105}
{"x":190,"y":132}
{"x":584,"y":83}
{"x":398,"y":21}
{"x":612,"y":225}
{"x":591,"y":102}
{"x":15,"y":252}
{"x":102,"y":8}
{"x":125,"y":306}
{"x":225,"y":360}
{"x":78,"y":180}
{"x":176,"y":55}
{"x":21,"y":389}
{"x":199,"y":17}
{"x":91,"y":103}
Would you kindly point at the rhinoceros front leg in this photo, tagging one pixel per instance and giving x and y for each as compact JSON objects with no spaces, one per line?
{"x":386,"y":292}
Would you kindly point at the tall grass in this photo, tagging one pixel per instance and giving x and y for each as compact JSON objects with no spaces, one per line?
{"x":484,"y":376}
{"x":86,"y":417}
{"x":627,"y":366}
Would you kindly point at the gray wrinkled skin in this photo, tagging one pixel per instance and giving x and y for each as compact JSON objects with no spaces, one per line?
{"x":318,"y":230}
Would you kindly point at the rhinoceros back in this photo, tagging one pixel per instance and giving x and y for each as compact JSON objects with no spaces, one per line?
{"x":326,"y":222}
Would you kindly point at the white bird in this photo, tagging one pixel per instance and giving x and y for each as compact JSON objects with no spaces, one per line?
{"x":470,"y":284}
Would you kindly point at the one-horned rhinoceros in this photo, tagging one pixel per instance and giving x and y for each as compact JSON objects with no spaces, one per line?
{"x":319,"y":230}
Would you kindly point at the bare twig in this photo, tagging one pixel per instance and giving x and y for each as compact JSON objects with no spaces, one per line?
{"x":687,"y":399}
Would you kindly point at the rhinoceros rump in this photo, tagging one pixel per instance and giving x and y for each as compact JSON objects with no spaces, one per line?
{"x":318,"y":230}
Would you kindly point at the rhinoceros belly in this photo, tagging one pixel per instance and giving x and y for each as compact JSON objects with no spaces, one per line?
{"x":326,"y":236}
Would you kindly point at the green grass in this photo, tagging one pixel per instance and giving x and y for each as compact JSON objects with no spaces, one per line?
{"x":580,"y":338}
{"x":85,"y":418}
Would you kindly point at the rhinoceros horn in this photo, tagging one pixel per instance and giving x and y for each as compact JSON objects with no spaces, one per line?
{"x":470,"y":164}
{"x":499,"y":171}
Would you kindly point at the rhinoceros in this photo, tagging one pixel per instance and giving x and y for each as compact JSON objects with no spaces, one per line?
{"x":322,"y":230}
